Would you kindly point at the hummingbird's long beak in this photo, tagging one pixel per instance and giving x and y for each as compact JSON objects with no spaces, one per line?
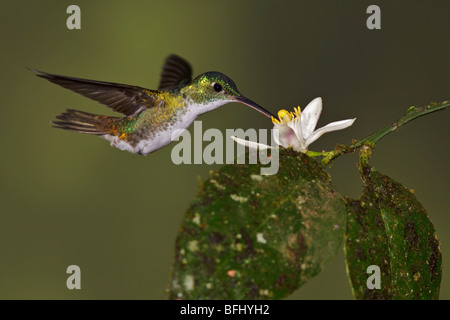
{"x":251,"y":104}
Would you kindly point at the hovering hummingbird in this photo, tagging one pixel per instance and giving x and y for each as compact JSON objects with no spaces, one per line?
{"x":150,"y":116}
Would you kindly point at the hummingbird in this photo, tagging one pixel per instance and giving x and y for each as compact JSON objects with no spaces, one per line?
{"x":150,"y":117}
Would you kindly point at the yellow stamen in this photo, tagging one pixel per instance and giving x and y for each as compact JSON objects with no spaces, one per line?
{"x":285,"y":116}
{"x":275,"y":120}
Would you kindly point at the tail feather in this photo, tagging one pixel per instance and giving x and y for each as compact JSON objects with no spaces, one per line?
{"x":83,"y":122}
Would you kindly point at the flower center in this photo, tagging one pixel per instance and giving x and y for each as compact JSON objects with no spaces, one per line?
{"x":284,"y":116}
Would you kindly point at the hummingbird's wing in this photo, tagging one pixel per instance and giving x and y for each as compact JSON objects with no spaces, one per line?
{"x":128,"y":100}
{"x":176,"y":71}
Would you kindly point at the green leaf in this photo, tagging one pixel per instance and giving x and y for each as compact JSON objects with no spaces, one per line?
{"x":389,"y":228}
{"x":248,"y":236}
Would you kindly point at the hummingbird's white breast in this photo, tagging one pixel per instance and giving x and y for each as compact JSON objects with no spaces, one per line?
{"x":161,"y":137}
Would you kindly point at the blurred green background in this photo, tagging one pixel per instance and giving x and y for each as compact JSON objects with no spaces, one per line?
{"x":69,"y":199}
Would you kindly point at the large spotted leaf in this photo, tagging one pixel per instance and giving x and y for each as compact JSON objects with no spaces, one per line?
{"x":248,"y":236}
{"x":390,"y":229}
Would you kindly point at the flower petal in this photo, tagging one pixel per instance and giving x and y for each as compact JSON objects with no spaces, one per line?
{"x":286,"y":136}
{"x":310,"y":116}
{"x":251,"y":144}
{"x":296,"y":125}
{"x":333,"y":126}
{"x":276,"y":134}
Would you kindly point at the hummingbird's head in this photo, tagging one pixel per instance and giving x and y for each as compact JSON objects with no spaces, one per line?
{"x":217,"y":89}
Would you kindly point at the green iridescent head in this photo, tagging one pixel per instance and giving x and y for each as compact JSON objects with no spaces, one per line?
{"x":215,"y":86}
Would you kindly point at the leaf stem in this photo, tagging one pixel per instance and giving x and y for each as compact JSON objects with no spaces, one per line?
{"x":411,"y":114}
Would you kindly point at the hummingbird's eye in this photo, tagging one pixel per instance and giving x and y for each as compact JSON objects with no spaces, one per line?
{"x":217,"y":87}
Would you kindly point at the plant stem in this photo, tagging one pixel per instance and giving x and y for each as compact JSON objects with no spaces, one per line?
{"x":411,"y":114}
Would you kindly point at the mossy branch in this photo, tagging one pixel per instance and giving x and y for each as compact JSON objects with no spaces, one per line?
{"x":411,"y":114}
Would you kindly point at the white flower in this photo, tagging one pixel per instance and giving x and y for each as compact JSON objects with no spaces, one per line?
{"x":296,"y":129}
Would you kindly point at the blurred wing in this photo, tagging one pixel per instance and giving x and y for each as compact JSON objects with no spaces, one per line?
{"x":176,"y":71}
{"x":128,"y":100}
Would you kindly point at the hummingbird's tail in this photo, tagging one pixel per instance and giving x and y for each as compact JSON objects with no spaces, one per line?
{"x":84,"y":122}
